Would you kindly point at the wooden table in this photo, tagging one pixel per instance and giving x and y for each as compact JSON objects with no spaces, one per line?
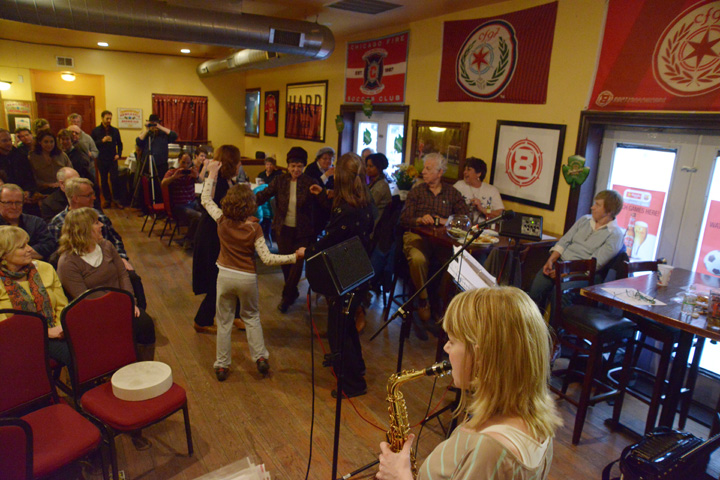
{"x":439,"y":236}
{"x":669,"y":314}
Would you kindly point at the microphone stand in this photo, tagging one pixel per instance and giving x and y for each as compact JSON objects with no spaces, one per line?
{"x":404,"y":311}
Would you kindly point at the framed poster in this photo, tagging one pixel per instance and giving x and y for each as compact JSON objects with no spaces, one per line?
{"x":376,"y":69}
{"x":18,"y":113}
{"x":252,"y":112}
{"x":130,"y":117}
{"x":526,"y":163}
{"x":446,"y":138}
{"x":306,"y":110}
{"x":272,"y":113}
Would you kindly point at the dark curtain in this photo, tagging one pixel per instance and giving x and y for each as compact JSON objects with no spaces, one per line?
{"x":304,"y":121}
{"x":186,"y":115}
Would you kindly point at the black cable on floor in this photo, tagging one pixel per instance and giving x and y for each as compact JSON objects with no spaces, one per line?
{"x":312,"y":381}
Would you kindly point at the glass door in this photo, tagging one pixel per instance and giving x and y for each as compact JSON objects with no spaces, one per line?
{"x":383,"y":132}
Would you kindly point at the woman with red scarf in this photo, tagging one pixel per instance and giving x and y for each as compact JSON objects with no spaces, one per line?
{"x":31,"y":286}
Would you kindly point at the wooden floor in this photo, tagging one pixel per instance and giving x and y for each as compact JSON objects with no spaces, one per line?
{"x":270,"y":419}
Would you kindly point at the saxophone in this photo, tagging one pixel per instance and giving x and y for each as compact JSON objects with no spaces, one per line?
{"x":399,"y":426}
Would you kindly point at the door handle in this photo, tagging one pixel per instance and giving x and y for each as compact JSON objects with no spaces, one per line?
{"x":685,"y":168}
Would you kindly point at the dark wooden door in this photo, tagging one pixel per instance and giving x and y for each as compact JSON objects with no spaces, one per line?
{"x":56,"y":108}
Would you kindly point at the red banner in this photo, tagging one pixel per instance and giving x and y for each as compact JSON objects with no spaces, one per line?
{"x":376,"y":70}
{"x":501,"y":59}
{"x":640,"y":218}
{"x":659,"y":55}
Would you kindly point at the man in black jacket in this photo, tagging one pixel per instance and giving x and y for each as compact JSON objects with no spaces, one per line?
{"x":11,"y":203}
{"x":107,"y":139}
{"x":18,"y":171}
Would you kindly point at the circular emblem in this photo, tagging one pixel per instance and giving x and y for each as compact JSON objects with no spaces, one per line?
{"x":373,"y":73}
{"x":686,"y":60}
{"x":604,"y":98}
{"x":523,"y":163}
{"x":486,"y":61}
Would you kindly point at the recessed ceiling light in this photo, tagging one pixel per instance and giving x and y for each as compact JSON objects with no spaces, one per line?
{"x":103,"y":44}
{"x":68,"y":76}
{"x":185,"y":50}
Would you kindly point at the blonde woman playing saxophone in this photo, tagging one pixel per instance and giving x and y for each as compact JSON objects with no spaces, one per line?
{"x":499,"y":350}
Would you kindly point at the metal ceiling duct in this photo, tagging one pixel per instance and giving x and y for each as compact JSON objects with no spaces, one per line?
{"x":298,"y":40}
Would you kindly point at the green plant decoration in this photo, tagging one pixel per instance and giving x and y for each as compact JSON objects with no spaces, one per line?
{"x":398,"y":144}
{"x":367,"y":137}
{"x":367,"y":107}
{"x":575,"y":172}
{"x":339,"y":123}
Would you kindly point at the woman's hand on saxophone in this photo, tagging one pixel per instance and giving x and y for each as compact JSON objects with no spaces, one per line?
{"x":395,"y":466}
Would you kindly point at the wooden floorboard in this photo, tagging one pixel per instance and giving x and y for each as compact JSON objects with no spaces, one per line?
{"x":269,"y":419}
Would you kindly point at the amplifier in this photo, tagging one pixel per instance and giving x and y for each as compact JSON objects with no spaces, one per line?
{"x":339,"y":269}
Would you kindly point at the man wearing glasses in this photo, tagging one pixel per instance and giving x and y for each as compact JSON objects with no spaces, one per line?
{"x":11,"y":207}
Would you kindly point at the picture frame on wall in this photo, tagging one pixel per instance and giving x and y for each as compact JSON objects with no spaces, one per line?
{"x":272,"y":113}
{"x":252,"y":112}
{"x":447,"y":138}
{"x":526,"y":162}
{"x":306,"y":110}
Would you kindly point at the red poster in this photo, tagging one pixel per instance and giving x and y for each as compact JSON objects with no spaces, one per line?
{"x":376,"y":69}
{"x":709,"y":260}
{"x":500,"y":59}
{"x":640,"y":218}
{"x":659,"y":55}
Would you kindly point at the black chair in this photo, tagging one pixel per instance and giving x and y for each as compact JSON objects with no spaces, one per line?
{"x":668,"y":337}
{"x":590,"y":332}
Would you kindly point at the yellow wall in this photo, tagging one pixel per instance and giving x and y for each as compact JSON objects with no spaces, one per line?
{"x":44,"y":81}
{"x":578,"y":31}
{"x":130,"y":79}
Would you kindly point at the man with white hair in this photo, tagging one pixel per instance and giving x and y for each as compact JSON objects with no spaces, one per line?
{"x":57,"y":201}
{"x":85,"y":140}
{"x":429,"y":203}
{"x":41,"y":241}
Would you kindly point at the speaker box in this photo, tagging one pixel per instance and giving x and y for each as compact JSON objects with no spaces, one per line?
{"x":523,"y":226}
{"x":339,"y":269}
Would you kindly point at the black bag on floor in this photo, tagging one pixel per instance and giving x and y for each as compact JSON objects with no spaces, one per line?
{"x":665,"y":454}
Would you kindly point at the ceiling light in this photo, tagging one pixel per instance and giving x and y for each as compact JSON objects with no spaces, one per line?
{"x":68,"y":76}
{"x":185,"y":50}
{"x":5,"y":85}
{"x":103,"y":44}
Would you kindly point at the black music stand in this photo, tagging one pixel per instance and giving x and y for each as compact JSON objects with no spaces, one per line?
{"x":337,"y":272}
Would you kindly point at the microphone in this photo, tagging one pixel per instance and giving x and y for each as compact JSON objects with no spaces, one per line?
{"x":506,"y":215}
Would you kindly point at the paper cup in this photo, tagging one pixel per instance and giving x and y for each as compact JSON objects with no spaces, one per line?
{"x":664,"y":272}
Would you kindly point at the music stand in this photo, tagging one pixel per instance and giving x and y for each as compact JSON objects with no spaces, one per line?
{"x":337,"y":272}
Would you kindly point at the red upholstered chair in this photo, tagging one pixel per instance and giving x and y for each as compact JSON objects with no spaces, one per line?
{"x":16,"y":461}
{"x":152,"y":209}
{"x":169,"y":216}
{"x":60,"y":435}
{"x":98,"y":328}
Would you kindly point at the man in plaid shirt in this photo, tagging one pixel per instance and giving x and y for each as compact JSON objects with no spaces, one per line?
{"x":427,"y":204}
{"x":80,"y":193}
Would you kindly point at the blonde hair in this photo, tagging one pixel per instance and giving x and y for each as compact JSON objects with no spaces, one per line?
{"x":11,"y":238}
{"x":508,"y":346}
{"x":73,"y":185}
{"x":76,"y":235}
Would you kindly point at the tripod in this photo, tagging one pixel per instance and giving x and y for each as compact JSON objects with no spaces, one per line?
{"x":149,"y":162}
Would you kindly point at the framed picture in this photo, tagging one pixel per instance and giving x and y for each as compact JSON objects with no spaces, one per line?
{"x":526,"y":163}
{"x":447,"y":138}
{"x":130,"y":117}
{"x":306,"y":111}
{"x":272,"y":113}
{"x":252,"y":112}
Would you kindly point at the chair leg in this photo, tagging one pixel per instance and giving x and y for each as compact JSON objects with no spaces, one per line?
{"x":155,"y":217}
{"x":391,"y":296}
{"x":584,"y":402}
{"x":175,"y":230}
{"x":188,"y":433}
{"x":146,"y":219}
{"x":113,"y":455}
{"x":162,"y":234}
{"x":690,"y":384}
{"x":625,"y":375}
{"x":103,"y":461}
{"x":659,"y":386}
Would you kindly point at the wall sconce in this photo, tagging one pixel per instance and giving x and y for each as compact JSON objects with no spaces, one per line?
{"x":438,"y":129}
{"x":68,"y":76}
{"x":5,"y":85}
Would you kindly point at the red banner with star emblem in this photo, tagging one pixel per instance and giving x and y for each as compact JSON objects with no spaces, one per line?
{"x":659,"y":55}
{"x":376,"y":69}
{"x":500,"y":59}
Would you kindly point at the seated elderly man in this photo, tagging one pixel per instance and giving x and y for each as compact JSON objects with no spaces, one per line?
{"x":57,"y":201}
{"x":80,"y":193}
{"x":426,"y":203}
{"x":41,"y":240}
{"x":593,"y":236}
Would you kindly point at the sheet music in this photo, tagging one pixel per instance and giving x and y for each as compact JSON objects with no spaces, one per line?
{"x":470,"y":274}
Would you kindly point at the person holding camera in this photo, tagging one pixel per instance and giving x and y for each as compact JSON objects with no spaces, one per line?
{"x":109,"y":145}
{"x":154,"y":140}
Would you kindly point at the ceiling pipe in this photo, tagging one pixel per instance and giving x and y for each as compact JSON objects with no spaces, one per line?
{"x":297,"y":40}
